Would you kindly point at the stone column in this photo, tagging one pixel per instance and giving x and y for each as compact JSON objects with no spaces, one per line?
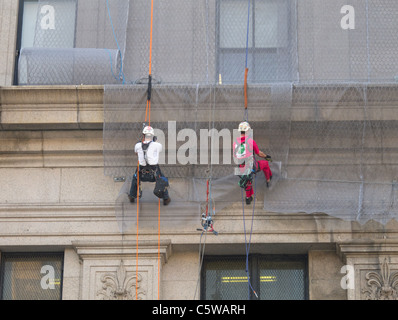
{"x":371,"y":269}
{"x":109,"y":269}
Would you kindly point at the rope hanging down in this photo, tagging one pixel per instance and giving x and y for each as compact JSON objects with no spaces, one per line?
{"x":246,"y":118}
{"x":148,"y":104}
{"x":148,"y":119}
{"x":210,"y":210}
{"x":248,"y":243}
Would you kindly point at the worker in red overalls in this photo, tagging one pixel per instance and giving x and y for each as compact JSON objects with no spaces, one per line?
{"x":245,"y":149}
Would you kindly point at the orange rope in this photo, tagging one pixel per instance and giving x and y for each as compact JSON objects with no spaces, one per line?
{"x":147,"y":118}
{"x":138,"y":213}
{"x":159,"y":250}
{"x":148,"y":112}
{"x":150,"y":41}
{"x":149,"y":121}
{"x":148,"y":104}
{"x":246,"y":73}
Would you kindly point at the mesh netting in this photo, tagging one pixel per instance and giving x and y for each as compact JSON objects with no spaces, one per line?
{"x":341,"y":153}
{"x":213,"y":41}
{"x":322,"y":95}
{"x":48,"y":66}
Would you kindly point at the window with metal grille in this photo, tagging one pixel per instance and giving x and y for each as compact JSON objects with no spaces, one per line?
{"x":38,"y":27}
{"x":31,"y":276}
{"x":271,"y":277}
{"x":259,"y":33}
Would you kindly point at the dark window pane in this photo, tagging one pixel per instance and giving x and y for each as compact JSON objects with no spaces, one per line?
{"x":226,"y":280}
{"x":273,"y":278}
{"x":31,"y":276}
{"x":282,"y":280}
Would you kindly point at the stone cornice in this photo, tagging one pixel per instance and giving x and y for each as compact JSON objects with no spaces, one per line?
{"x":367,"y":252}
{"x":109,"y":249}
{"x":81,"y":107}
{"x":51,"y":107}
{"x":365,"y":248}
{"x":91,"y":220}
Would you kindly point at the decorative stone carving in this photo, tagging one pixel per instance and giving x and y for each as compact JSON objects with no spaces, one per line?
{"x":118,"y":286}
{"x":383,"y":285}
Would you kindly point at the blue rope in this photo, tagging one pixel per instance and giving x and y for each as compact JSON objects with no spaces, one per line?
{"x":247,"y":245}
{"x":121,"y":73}
{"x":111,"y":62}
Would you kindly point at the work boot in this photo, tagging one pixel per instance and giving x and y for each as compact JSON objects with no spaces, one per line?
{"x":132,"y":200}
{"x":166,"y":201}
{"x":249,"y":200}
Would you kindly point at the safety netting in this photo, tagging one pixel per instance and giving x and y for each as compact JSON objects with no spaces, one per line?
{"x":321,"y":97}
{"x":342,"y":155}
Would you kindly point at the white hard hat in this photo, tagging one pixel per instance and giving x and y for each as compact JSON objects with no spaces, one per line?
{"x":244,"y":127}
{"x":148,"y":131}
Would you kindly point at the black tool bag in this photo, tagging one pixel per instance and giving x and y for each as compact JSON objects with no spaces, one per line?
{"x":161,"y":186}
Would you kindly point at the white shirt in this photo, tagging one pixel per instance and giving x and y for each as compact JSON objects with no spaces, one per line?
{"x":152,"y":154}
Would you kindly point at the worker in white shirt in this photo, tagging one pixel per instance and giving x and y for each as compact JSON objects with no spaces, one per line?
{"x":148,"y":157}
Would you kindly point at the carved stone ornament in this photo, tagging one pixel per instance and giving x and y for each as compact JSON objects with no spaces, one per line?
{"x":117,"y":286}
{"x":383,"y":285}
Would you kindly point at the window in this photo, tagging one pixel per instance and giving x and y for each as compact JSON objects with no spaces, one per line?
{"x":70,"y":42}
{"x":272,"y":277}
{"x":28,"y":26}
{"x":31,"y":276}
{"x":45,"y":24}
{"x":269,"y":42}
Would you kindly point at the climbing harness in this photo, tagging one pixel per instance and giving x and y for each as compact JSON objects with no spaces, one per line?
{"x":245,"y":179}
{"x":145,"y":147}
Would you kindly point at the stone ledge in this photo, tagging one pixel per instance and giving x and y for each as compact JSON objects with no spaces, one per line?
{"x":366,"y":248}
{"x":87,"y":249}
{"x":76,"y":220}
{"x":51,"y":107}
{"x":82,"y":107}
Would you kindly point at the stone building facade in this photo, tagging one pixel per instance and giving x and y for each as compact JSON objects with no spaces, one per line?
{"x":55,"y":199}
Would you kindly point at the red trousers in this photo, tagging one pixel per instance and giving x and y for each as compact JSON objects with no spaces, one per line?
{"x":262,"y":165}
